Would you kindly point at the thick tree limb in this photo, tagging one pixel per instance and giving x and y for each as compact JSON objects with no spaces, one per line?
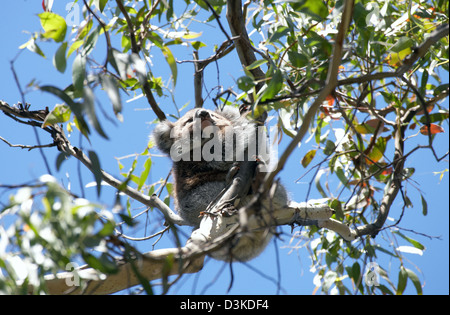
{"x":236,"y":22}
{"x":149,"y":266}
{"x":213,"y":231}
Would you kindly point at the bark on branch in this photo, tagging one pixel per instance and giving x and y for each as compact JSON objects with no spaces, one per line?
{"x":64,"y":145}
{"x":212,"y":233}
{"x":236,"y":22}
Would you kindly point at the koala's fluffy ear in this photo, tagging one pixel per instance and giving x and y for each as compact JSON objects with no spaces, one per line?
{"x":229,"y":112}
{"x":161,"y":136}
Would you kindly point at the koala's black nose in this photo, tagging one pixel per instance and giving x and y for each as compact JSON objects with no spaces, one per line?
{"x":202,"y":113}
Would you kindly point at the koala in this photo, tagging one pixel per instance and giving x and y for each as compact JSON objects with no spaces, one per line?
{"x":204,"y":146}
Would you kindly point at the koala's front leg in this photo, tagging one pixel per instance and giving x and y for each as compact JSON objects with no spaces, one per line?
{"x":227,"y":207}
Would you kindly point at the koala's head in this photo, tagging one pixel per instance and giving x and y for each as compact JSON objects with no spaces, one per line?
{"x":198,"y":122}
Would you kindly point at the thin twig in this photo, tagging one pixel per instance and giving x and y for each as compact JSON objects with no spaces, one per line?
{"x":103,"y":25}
{"x":29,"y":147}
{"x":217,"y":19}
{"x":134,"y":46}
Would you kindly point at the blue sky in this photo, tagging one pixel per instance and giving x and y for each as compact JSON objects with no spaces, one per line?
{"x":130,"y":137}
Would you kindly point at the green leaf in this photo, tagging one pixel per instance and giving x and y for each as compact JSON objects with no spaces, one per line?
{"x":408,"y":172}
{"x":280,"y":32}
{"x":197,"y":45}
{"x":378,"y":150}
{"x":107,"y":229}
{"x":89,"y":108}
{"x":85,"y":30}
{"x":91,"y":40}
{"x":329,"y":148}
{"x":337,"y":207}
{"x":415,"y":243}
{"x":256,"y":64}
{"x":383,"y":250}
{"x":145,"y":172}
{"x":60,"y":159}
{"x":171,"y":61}
{"x":314,"y":8}
{"x":385,"y":290}
{"x":415,"y":280}
{"x":111,"y":88}
{"x":297,"y":60}
{"x":59,"y":114}
{"x":128,"y":220}
{"x":274,"y":86}
{"x":146,"y":285}
{"x":319,"y":186}
{"x":245,"y":83}
{"x":76,"y":44}
{"x":74,"y":107}
{"x":424,"y":205}
{"x":79,"y":71}
{"x":126,"y":42}
{"x":437,"y":91}
{"x":59,"y":60}
{"x":402,"y":278}
{"x":55,"y":26}
{"x":100,"y":4}
{"x":436,"y":117}
{"x":401,"y":44}
{"x":341,"y":175}
{"x":103,"y":264}
{"x":33,"y":47}
{"x":192,"y":35}
{"x":423,"y":82}
{"x":96,"y":169}
{"x":356,"y":275}
{"x":119,"y":62}
{"x":308,"y":158}
{"x":127,"y":65}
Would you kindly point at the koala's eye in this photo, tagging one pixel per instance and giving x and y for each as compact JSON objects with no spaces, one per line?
{"x":189,"y":121}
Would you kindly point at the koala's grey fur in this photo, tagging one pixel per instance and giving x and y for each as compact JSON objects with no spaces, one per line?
{"x":198,"y":183}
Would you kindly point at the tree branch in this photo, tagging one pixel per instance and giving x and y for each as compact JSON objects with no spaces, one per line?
{"x":399,"y":136}
{"x":134,"y":46}
{"x":212,"y":233}
{"x":198,"y":82}
{"x":65,"y":146}
{"x":236,"y":22}
{"x":329,"y":87}
{"x":148,"y":266}
{"x":29,"y":147}
{"x":136,"y":49}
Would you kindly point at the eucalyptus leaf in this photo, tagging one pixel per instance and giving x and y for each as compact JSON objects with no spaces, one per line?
{"x":96,"y":169}
{"x":55,"y":26}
